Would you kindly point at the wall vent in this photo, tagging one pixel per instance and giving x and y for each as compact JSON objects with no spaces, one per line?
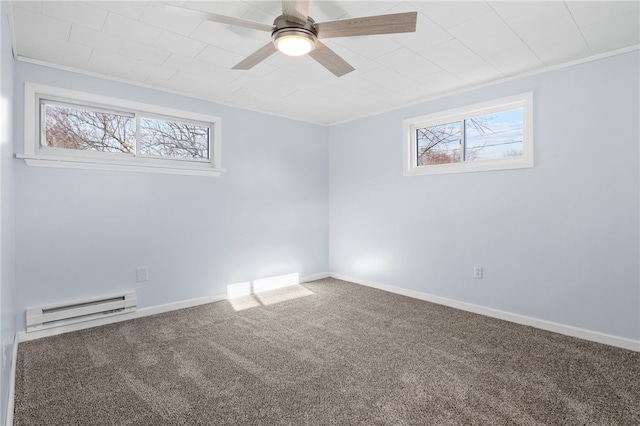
{"x":79,"y":311}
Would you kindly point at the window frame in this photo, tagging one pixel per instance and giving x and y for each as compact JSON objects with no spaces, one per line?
{"x":37,"y":154}
{"x":410,"y":148}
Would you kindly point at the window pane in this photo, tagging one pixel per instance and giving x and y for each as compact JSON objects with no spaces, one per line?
{"x":494,"y":136}
{"x":438,"y":144}
{"x":171,"y":139}
{"x":83,"y":129}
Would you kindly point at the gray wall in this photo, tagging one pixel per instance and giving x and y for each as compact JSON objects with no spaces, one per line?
{"x":7,"y":235}
{"x":558,"y":242}
{"x":81,"y":233}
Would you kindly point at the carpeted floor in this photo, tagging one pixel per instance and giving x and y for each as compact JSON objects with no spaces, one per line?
{"x":326,"y":352}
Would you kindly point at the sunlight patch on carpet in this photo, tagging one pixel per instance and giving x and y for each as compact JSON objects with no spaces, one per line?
{"x":266,"y":291}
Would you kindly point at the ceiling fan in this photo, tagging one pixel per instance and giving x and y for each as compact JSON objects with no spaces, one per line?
{"x":295,"y":33}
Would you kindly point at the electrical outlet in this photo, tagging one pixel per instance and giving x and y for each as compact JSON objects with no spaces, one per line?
{"x":477,"y":272}
{"x":142,"y":273}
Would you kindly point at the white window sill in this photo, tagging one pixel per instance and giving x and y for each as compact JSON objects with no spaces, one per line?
{"x":470,"y":166}
{"x":90,"y":164}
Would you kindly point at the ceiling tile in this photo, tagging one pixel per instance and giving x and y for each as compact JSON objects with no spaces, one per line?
{"x":453,"y":56}
{"x":41,"y":24}
{"x":95,"y":39}
{"x":33,"y":6}
{"x":482,"y":74}
{"x":261,"y":13}
{"x":196,"y":84}
{"x":270,"y":7}
{"x":357,"y":9}
{"x":212,"y":33}
{"x":217,"y":56}
{"x":341,"y":94}
{"x":154,"y":71}
{"x":369,"y":46}
{"x":389,"y":79}
{"x":182,"y":63}
{"x":486,"y":34}
{"x":568,"y":50}
{"x":266,"y":87}
{"x":513,"y":61}
{"x":549,"y":31}
{"x":590,"y":13}
{"x":41,"y":55}
{"x":451,"y":13}
{"x":78,"y":63}
{"x":25,"y":38}
{"x":66,"y":48}
{"x":614,"y":33}
{"x":443,"y":81}
{"x":356,"y":59}
{"x":76,"y":12}
{"x":408,"y":63}
{"x":130,"y":29}
{"x":544,"y":21}
{"x":428,"y":34}
{"x":109,"y":62}
{"x":145,"y":53}
{"x":179,"y":44}
{"x":131,"y":9}
{"x":305,"y":67}
{"x":156,"y":16}
{"x":534,"y":9}
{"x":221,"y":7}
{"x":323,"y":11}
{"x":290,"y":77}
{"x":365,"y":88}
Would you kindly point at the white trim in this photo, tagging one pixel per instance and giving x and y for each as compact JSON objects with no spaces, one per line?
{"x":143,"y":312}
{"x":314,"y":277}
{"x":34,"y":155}
{"x":65,"y":163}
{"x":568,"y":330}
{"x":12,"y":383}
{"x":409,"y":141}
{"x":23,"y":336}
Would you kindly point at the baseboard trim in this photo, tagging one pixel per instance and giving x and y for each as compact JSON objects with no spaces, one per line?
{"x":12,"y":383}
{"x":314,"y":277}
{"x":568,"y":330}
{"x":139,"y":313}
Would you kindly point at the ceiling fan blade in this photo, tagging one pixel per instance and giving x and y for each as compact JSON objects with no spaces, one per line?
{"x":199,"y":14}
{"x":295,"y":10}
{"x":380,"y":24}
{"x":330,"y":60}
{"x":256,"y":57}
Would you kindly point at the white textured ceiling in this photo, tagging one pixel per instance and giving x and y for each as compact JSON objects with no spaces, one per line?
{"x":457,"y":45}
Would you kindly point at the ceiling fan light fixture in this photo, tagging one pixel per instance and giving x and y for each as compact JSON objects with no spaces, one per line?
{"x":294,"y":42}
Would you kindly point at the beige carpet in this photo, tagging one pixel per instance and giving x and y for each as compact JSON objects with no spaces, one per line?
{"x":327,"y":352}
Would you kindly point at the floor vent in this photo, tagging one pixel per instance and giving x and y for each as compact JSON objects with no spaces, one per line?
{"x":83,"y":310}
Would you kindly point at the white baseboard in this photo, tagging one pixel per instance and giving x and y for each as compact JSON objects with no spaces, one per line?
{"x":12,"y":383}
{"x":314,"y":277}
{"x":139,"y":313}
{"x":594,"y":336}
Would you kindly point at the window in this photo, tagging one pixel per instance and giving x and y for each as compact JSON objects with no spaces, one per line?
{"x":490,"y":136}
{"x":71,"y":129}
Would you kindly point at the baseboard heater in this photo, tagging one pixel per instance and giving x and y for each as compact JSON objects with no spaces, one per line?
{"x":79,"y":311}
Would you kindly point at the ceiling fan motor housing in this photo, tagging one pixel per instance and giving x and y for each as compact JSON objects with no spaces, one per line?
{"x":286,"y":29}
